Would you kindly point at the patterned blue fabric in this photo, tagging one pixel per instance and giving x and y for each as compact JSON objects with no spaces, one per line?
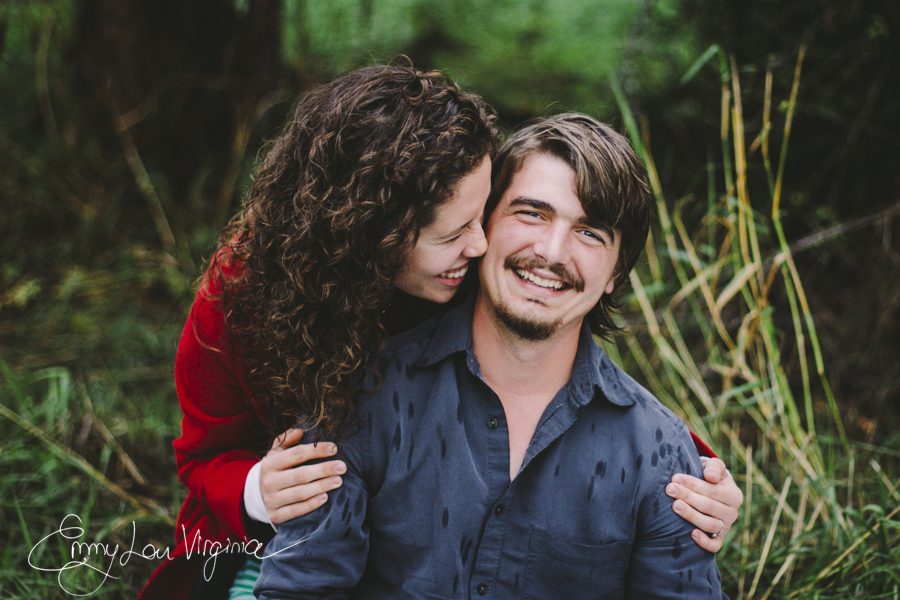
{"x":427,"y":509}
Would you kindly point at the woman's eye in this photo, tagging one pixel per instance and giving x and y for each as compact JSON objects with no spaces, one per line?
{"x":453,"y":239}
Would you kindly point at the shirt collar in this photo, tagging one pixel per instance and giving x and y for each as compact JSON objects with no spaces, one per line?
{"x":593,"y":369}
{"x":452,"y":334}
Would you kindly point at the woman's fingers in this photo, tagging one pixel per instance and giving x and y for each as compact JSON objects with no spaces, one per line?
{"x":719,"y":486}
{"x":291,"y":488}
{"x":711,"y":505}
{"x":706,"y":525}
{"x":298,"y":509}
{"x":715,"y":471}
{"x":295,"y":484}
{"x":719,"y":501}
{"x":710,"y":544}
{"x":283,"y":457}
{"x":723,"y":489}
{"x":305,"y":490}
{"x":287,"y":439}
{"x":701,"y":511}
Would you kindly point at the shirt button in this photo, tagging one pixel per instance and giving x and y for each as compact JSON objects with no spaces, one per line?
{"x":493,"y":423}
{"x":482,"y":589}
{"x":498,"y":510}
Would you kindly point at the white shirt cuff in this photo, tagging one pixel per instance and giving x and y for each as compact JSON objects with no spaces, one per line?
{"x":253,"y":500}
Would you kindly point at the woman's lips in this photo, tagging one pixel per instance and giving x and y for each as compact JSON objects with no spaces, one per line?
{"x":453,"y":276}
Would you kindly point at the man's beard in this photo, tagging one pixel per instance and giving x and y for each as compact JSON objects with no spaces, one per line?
{"x":525,"y":327}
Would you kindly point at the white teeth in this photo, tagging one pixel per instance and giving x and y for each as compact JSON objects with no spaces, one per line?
{"x":455,"y":274}
{"x":540,"y":281}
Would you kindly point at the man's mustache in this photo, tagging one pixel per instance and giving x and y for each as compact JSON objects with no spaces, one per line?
{"x":532,"y":262}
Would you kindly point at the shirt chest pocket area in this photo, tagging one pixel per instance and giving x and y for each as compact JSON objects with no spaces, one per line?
{"x":558,"y":568}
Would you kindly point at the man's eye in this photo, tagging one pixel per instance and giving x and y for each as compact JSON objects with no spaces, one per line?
{"x":529,"y":213}
{"x":594,"y":235}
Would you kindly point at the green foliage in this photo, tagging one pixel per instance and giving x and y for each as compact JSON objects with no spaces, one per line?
{"x":728,"y":341}
{"x":526,"y":58}
{"x":60,"y":457}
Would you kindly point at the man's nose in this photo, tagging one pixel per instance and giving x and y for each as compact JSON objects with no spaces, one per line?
{"x":553,"y":245}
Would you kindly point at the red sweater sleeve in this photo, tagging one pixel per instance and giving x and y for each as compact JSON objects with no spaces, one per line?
{"x":702,"y":448}
{"x":221,"y":433}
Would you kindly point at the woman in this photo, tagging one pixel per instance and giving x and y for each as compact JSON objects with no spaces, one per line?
{"x":363,"y":215}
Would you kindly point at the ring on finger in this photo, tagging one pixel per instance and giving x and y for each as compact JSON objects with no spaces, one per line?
{"x":720,"y":532}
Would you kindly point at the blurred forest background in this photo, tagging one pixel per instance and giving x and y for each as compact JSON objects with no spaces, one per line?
{"x":766,"y":312}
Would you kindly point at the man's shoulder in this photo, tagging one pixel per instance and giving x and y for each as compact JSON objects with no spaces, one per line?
{"x":397,"y":369}
{"x":408,"y":347}
{"x":645,"y":406}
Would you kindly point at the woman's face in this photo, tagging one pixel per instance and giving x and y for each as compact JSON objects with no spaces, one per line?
{"x":436,"y":266}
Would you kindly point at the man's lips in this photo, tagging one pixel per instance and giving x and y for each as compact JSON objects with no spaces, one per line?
{"x":550,"y":284}
{"x":525,"y":269}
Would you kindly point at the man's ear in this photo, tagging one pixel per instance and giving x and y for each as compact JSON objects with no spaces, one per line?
{"x":611,"y":284}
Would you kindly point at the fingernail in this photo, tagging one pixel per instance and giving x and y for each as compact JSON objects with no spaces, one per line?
{"x":678,"y":506}
{"x":340,"y":467}
{"x":672,"y":489}
{"x":677,"y":479}
{"x":695,"y":534}
{"x":336,"y":481}
{"x":321,"y":498}
{"x":332,"y":449}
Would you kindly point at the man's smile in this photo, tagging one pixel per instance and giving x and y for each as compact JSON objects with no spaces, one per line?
{"x":526,"y":269}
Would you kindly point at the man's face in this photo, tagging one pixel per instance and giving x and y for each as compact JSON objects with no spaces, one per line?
{"x":546,"y":265}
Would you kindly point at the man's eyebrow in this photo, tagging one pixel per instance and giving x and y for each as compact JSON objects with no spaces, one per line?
{"x":588,"y":222}
{"x":533,"y":203}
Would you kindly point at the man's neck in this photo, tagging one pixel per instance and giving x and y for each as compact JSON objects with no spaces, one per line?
{"x":524,"y":374}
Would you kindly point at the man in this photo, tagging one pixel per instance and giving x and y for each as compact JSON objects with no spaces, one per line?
{"x":505,"y":455}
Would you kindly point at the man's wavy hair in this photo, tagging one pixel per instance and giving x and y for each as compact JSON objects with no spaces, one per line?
{"x":610,"y":180}
{"x":335,"y":207}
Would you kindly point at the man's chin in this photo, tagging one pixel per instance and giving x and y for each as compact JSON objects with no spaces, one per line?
{"x":524,"y":326}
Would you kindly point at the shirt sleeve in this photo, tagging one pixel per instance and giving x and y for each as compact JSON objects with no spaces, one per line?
{"x":221,"y":433}
{"x":665,"y":562}
{"x":322,"y":555}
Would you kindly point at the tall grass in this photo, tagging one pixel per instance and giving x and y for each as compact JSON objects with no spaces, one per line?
{"x":728,"y":342}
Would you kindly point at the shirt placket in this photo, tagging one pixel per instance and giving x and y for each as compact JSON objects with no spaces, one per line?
{"x":487,"y":568}
{"x":495,"y":435}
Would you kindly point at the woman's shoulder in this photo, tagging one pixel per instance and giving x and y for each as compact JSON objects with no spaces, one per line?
{"x":225,"y":267}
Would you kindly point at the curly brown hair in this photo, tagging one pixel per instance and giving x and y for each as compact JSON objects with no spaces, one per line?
{"x":336,"y":205}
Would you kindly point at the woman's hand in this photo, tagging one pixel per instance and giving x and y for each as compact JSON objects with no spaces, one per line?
{"x":290,"y":492}
{"x":710,"y":505}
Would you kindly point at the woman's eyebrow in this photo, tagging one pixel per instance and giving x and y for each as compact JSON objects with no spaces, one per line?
{"x":455,"y":232}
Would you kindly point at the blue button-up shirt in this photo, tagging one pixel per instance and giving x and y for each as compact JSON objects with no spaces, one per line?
{"x":427,"y":508}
